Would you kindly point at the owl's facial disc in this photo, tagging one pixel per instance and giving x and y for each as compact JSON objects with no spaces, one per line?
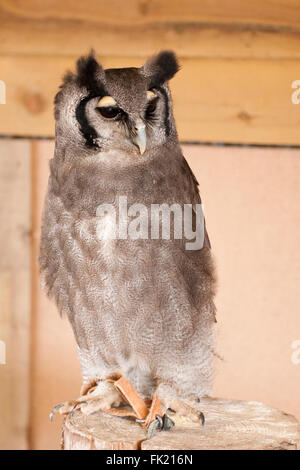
{"x":108,"y":108}
{"x":121,"y":123}
{"x":122,"y":110}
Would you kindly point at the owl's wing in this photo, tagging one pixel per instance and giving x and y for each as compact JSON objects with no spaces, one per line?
{"x":194,"y":193}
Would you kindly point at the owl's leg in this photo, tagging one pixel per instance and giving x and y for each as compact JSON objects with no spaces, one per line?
{"x":87,"y":386}
{"x":171,"y":399}
{"x":101,"y":397}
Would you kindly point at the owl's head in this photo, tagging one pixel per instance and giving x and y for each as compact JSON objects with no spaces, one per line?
{"x":127,"y":109}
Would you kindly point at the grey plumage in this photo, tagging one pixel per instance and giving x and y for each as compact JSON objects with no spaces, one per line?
{"x":144,"y":307}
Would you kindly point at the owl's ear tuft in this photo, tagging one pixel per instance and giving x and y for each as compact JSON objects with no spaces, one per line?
{"x":90,"y":73}
{"x":160,"y":68}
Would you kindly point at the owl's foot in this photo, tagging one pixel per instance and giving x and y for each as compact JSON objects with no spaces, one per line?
{"x":100,"y":397}
{"x":169,"y":399}
{"x":160,"y":423}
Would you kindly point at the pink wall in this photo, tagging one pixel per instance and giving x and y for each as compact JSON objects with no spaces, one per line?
{"x":251,"y":200}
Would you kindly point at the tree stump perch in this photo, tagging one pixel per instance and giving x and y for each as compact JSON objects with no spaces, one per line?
{"x":230,"y":424}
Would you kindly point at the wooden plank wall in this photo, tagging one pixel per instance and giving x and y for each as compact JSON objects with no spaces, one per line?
{"x":238,"y":61}
{"x":15,"y":279}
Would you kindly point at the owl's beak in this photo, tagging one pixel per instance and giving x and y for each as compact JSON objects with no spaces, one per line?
{"x":140,"y":138}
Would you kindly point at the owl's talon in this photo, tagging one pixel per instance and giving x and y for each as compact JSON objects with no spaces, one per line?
{"x":167,"y":423}
{"x":202,"y":418}
{"x":76,"y":406}
{"x":153,"y":428}
{"x":55,"y":410}
{"x":161,"y":423}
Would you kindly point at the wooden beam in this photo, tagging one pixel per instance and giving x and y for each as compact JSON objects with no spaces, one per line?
{"x":117,"y":12}
{"x":139,"y":28}
{"x":215,"y":100}
{"x":237,"y":92}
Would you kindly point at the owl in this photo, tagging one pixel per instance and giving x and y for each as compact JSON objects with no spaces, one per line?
{"x":139,"y":306}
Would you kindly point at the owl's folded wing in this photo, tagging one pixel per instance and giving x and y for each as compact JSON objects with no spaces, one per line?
{"x":194,"y":194}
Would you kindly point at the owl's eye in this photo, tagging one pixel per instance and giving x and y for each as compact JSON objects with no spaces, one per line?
{"x":109,"y":112}
{"x":151,"y":108}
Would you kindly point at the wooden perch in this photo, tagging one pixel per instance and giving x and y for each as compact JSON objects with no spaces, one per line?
{"x":230,"y":424}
